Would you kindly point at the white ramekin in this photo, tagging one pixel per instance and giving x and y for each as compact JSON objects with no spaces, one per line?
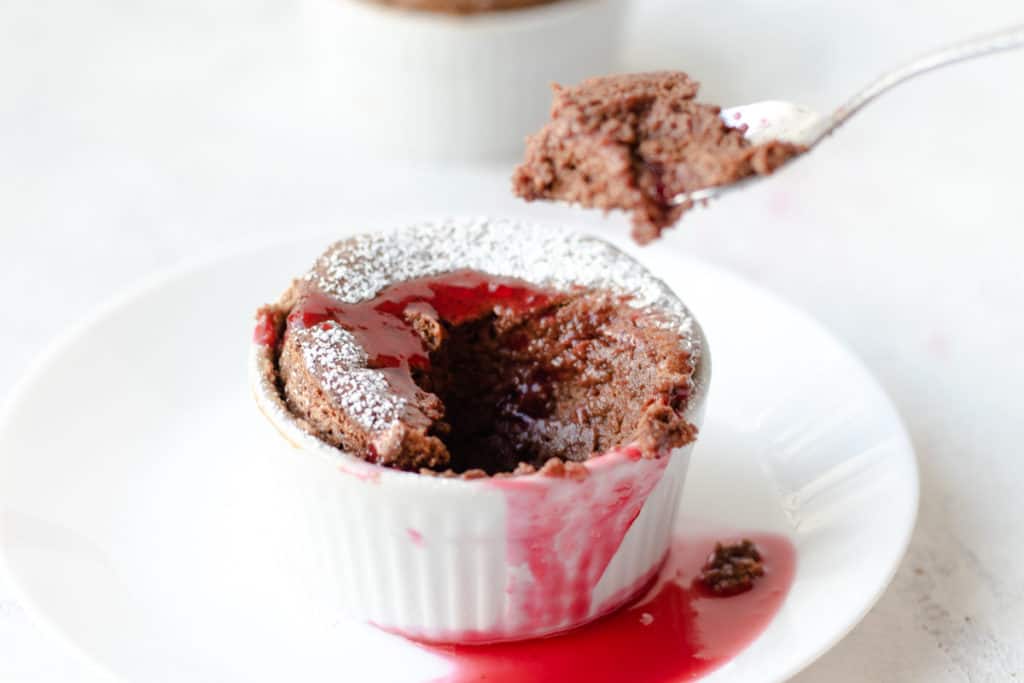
{"x":479,"y":560}
{"x":433,"y":86}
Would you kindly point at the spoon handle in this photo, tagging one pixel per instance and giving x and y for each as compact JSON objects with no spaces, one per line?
{"x":1006,"y":39}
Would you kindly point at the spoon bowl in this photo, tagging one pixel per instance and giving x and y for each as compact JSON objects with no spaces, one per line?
{"x":788,"y":122}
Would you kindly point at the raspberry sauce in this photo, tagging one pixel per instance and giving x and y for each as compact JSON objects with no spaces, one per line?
{"x":567,"y":535}
{"x":265,"y":332}
{"x":678,"y":631}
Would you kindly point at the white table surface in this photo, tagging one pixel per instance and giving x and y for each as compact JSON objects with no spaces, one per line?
{"x":135,"y":135}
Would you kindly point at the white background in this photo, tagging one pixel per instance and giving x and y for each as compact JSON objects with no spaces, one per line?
{"x":135,"y":135}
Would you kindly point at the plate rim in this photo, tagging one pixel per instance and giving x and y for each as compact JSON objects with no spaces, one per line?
{"x":37,"y":367}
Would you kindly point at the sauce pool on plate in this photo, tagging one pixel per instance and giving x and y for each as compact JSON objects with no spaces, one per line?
{"x":678,"y":631}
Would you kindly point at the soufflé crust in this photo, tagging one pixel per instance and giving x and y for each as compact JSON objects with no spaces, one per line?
{"x":634,"y":142}
{"x":437,"y":366}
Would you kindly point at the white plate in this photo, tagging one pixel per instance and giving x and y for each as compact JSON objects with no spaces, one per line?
{"x":135,"y":504}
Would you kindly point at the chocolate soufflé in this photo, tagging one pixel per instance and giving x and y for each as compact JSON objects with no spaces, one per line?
{"x":634,"y":142}
{"x":423,"y":354}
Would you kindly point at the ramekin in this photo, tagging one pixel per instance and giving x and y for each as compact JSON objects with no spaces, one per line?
{"x":432,"y":86}
{"x":476,"y":560}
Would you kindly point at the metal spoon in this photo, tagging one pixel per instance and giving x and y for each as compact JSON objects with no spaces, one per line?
{"x":774,"y":120}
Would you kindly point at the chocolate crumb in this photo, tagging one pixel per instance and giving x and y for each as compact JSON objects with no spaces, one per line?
{"x":634,"y":142}
{"x":732,"y":569}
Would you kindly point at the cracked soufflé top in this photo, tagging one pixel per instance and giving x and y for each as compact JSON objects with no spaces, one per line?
{"x":478,"y":348}
{"x":634,"y":142}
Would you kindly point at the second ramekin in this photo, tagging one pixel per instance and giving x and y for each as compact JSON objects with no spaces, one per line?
{"x":432,"y":86}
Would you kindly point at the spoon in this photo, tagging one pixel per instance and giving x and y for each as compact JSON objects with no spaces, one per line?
{"x":775,"y":120}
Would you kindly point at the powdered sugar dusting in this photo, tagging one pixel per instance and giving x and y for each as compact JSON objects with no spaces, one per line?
{"x":333,"y":354}
{"x":331,"y":345}
{"x":357,"y":269}
{"x":365,"y":396}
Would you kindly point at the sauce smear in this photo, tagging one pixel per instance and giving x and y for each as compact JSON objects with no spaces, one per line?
{"x":382,"y":327}
{"x":678,"y":631}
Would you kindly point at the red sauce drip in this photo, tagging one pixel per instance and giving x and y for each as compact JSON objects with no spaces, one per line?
{"x":567,"y":536}
{"x":677,"y":632}
{"x":381,"y":328}
{"x":265,"y":332}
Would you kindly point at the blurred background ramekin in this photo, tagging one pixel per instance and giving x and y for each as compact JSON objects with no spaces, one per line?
{"x":433,"y":86}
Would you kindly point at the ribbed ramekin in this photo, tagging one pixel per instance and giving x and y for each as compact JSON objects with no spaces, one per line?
{"x":476,"y":560}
